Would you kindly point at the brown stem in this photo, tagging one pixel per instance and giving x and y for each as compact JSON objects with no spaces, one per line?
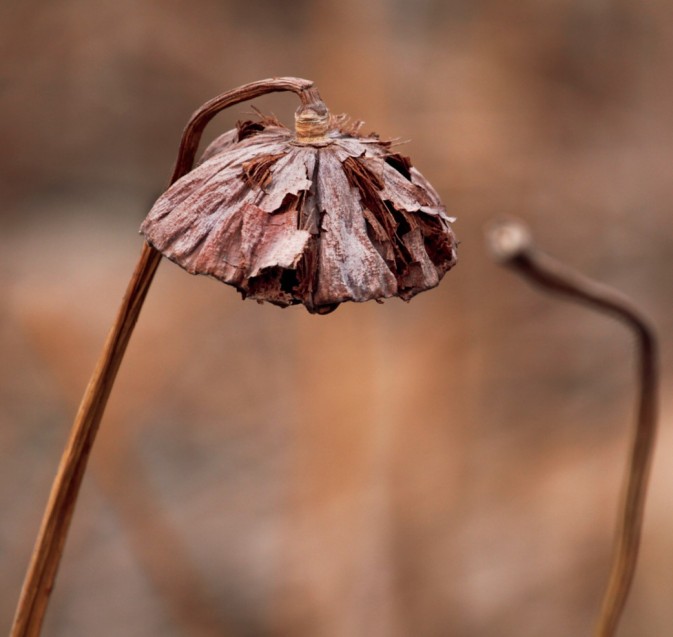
{"x":50,"y":542}
{"x":512,"y":246}
{"x":199,"y":120}
{"x":58,"y":513}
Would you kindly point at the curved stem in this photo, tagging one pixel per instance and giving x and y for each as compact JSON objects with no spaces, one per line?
{"x":200,"y":118}
{"x":512,"y":246}
{"x":56,"y":520}
{"x":46,"y":557}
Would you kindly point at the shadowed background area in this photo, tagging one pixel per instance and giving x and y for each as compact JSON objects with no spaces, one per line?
{"x":448,"y":467}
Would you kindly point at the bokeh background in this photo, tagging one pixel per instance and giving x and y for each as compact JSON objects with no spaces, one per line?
{"x":450,"y":467}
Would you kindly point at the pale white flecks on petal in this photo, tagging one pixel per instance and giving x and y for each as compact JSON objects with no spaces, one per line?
{"x":291,"y":175}
{"x":350,"y":266}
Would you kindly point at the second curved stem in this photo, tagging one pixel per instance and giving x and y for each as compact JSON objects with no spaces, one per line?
{"x":512,"y":246}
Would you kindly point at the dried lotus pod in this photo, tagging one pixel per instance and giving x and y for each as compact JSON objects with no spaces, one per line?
{"x":319,"y":215}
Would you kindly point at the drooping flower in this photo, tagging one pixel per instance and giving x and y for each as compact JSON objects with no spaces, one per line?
{"x":318,"y":216}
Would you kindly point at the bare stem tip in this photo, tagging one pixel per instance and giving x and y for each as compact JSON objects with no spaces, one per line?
{"x":508,"y":239}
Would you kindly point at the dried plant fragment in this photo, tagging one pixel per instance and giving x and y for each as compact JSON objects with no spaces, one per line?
{"x":316,"y":216}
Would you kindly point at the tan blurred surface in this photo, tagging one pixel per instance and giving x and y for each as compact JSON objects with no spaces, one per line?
{"x":446,"y":467}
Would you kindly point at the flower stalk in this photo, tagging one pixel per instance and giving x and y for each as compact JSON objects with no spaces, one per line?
{"x":46,"y":556}
{"x":511,"y":244}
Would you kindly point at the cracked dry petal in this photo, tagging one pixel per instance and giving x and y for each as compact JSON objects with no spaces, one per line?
{"x":340,"y":218}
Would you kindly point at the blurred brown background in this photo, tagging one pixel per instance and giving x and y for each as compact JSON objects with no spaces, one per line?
{"x":449,"y":467}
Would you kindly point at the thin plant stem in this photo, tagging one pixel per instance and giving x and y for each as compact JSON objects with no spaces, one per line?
{"x":511,"y":244}
{"x":49,"y":546}
{"x":46,"y":556}
{"x":122,"y":477}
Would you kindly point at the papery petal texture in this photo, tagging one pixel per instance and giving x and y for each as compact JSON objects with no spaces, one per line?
{"x":345,"y":219}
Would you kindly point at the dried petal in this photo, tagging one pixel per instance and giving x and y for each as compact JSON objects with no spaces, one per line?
{"x":338,"y":218}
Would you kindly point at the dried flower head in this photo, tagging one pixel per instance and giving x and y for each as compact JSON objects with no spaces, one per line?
{"x":319,"y":215}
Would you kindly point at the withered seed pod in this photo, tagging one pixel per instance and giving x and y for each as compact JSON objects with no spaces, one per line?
{"x":319,"y":215}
